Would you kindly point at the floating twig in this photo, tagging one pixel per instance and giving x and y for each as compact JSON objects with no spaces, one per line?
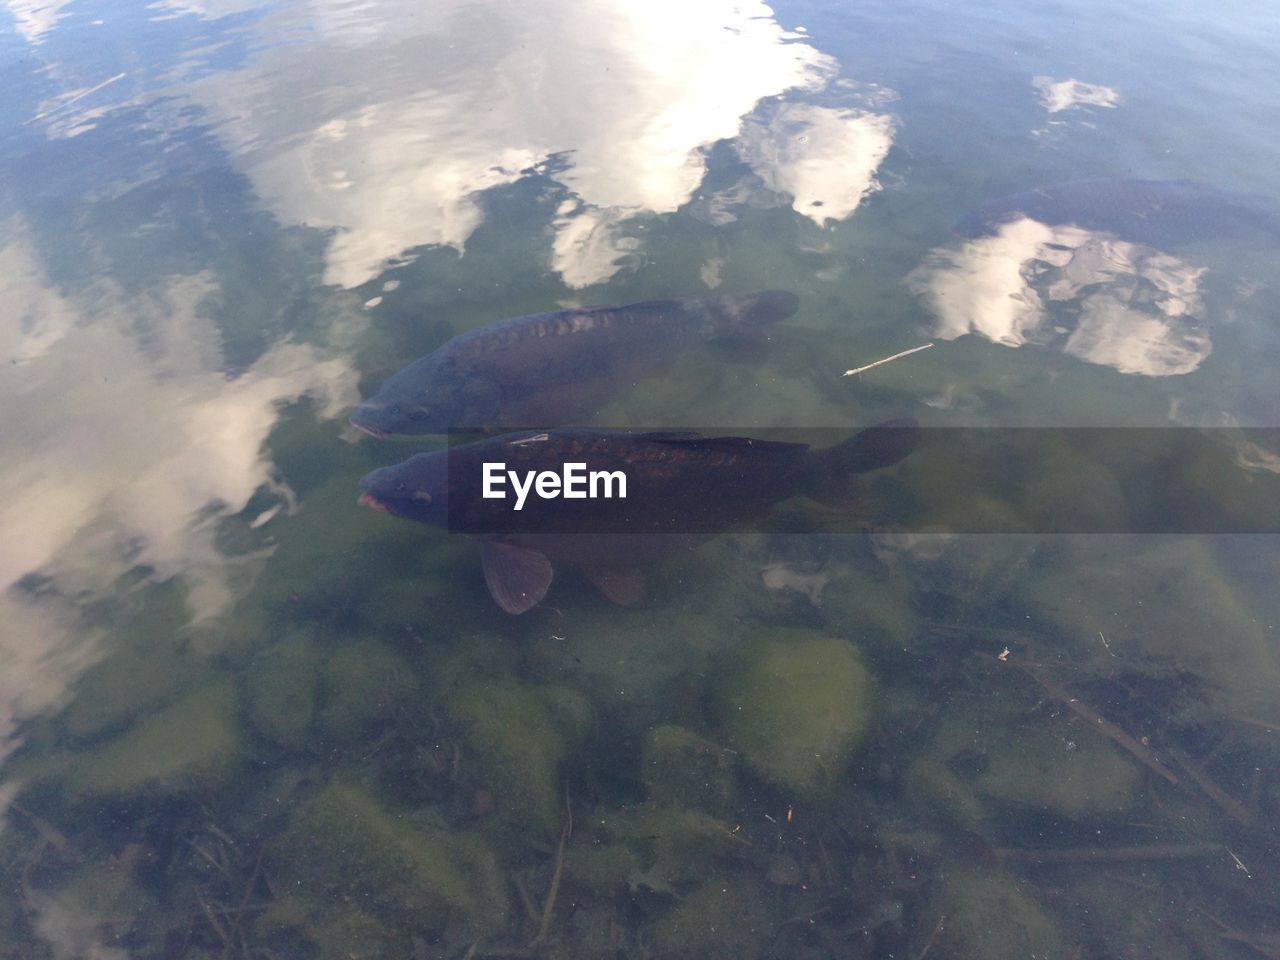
{"x":1232,"y":807}
{"x":928,"y":944}
{"x":897,"y":356}
{"x":79,"y":96}
{"x":244,"y":903}
{"x":1157,"y":851}
{"x":548,"y":909}
{"x":57,"y":839}
{"x":1094,"y":719}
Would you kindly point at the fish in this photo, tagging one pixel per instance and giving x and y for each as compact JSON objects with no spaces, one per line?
{"x":1157,"y":213}
{"x":552,"y":369}
{"x":681,"y":488}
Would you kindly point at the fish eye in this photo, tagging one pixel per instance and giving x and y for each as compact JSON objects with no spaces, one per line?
{"x":422,"y":497}
{"x":419,"y":413}
{"x":402,"y":487}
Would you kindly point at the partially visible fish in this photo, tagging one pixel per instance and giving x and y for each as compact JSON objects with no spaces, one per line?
{"x":1158,"y":213}
{"x":555,"y":368}
{"x":681,"y":488}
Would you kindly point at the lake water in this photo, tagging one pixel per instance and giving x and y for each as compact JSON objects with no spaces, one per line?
{"x":242,"y":716}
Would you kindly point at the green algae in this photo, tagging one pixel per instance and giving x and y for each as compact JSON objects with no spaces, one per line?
{"x":676,"y":846}
{"x":683,"y":769}
{"x":147,"y":664}
{"x":796,"y":704}
{"x":1164,"y":605}
{"x":125,"y":686}
{"x":282,"y":686}
{"x":521,"y":744}
{"x":190,"y":746}
{"x":603,"y":867}
{"x":991,"y":916}
{"x":991,"y":757}
{"x":720,"y":920}
{"x":362,"y":683}
{"x":344,"y":843}
{"x":870,"y":609}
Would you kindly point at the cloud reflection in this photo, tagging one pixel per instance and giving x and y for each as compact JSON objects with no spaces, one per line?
{"x":33,"y":19}
{"x":1059,"y":95}
{"x":823,"y":157}
{"x":612,"y":101}
{"x":125,"y":442}
{"x":1106,"y":301}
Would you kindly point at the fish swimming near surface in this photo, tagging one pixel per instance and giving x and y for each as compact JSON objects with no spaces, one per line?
{"x":680,"y":489}
{"x":1158,"y":213}
{"x":556,"y":368}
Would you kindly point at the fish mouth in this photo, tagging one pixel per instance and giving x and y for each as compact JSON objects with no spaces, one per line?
{"x":371,"y":431}
{"x":367,"y":499}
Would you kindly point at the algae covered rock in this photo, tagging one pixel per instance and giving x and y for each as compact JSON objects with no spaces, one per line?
{"x":363,"y":683}
{"x":345,"y":844}
{"x":870,"y":609}
{"x":193,"y":744}
{"x":1167,"y":605}
{"x":128,"y":683}
{"x":681,"y":768}
{"x":991,"y":756}
{"x":718,"y":921}
{"x":796,"y":705}
{"x":282,"y":685}
{"x":676,"y":846}
{"x":990,"y":917}
{"x":521,"y":735}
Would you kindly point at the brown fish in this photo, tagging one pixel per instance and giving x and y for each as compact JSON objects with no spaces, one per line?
{"x":654,"y":493}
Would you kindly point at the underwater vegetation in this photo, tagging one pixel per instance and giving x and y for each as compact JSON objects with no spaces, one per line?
{"x":1004,"y":744}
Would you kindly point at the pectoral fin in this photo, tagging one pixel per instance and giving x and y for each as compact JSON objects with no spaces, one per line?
{"x":623,"y":585}
{"x":517,"y":578}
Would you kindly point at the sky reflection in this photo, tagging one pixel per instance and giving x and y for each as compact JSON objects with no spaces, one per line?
{"x":392,"y":152}
{"x":1106,"y":301}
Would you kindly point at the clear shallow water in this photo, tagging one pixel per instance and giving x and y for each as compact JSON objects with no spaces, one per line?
{"x":245,"y":717}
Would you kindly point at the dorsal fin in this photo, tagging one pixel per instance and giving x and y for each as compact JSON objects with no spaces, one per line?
{"x":698,"y":441}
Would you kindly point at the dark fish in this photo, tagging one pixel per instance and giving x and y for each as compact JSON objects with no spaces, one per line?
{"x":554,"y":368}
{"x":1158,"y":213}
{"x":681,"y":488}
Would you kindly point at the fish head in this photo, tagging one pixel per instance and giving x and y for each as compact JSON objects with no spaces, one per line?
{"x":417,"y":489}
{"x":429,"y":396}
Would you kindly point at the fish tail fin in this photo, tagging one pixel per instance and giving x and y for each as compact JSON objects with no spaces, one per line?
{"x":874,"y":448}
{"x":746,"y":315}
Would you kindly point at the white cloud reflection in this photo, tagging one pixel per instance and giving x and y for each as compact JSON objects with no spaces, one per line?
{"x":1105,"y":301}
{"x":388,"y":138}
{"x":33,"y":19}
{"x":124,"y":443}
{"x":825,"y":158}
{"x":1059,"y":95}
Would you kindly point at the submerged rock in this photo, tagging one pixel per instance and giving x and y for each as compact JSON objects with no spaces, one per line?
{"x":796,"y":705}
{"x":345,"y":844}
{"x":681,"y":768}
{"x":1170,"y":609}
{"x":192,"y":745}
{"x":282,"y":686}
{"x":993,"y":758}
{"x":675,"y":846}
{"x":522,"y":736}
{"x":990,"y":917}
{"x":124,"y":686}
{"x":717,"y":921}
{"x":362,"y":684}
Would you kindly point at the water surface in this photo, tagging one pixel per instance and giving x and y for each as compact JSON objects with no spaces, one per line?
{"x":241,"y":716}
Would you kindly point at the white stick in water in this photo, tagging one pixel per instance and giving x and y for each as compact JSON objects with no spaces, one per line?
{"x":896,"y":356}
